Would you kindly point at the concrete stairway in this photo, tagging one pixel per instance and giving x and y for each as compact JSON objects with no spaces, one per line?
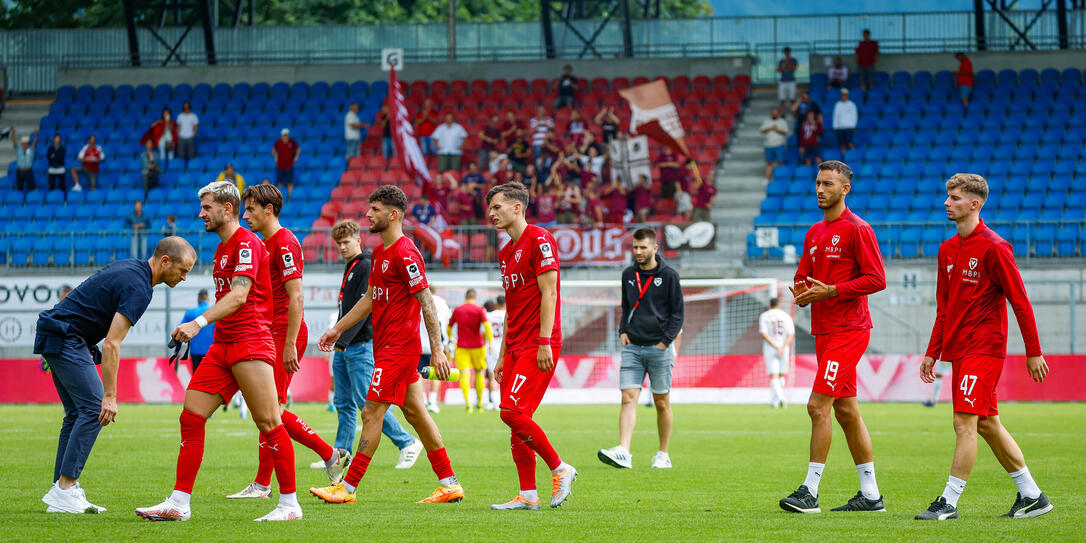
{"x":24,"y":115}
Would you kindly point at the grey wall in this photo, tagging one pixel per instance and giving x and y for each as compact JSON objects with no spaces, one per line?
{"x":548,"y":69}
{"x":933,"y":62}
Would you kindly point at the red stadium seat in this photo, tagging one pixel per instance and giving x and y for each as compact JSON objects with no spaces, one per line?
{"x":499,"y":84}
{"x":459,"y":84}
{"x":439,"y":85}
{"x":702,"y":81}
{"x":519,"y":84}
{"x":339,"y":194}
{"x":742,"y":79}
{"x":330,"y":210}
{"x":600,"y":83}
{"x":619,"y":83}
{"x":418,"y":87}
{"x":641,"y":80}
{"x":680,"y":81}
{"x":722,"y":81}
{"x":479,"y":85}
{"x":540,"y":84}
{"x":356,"y":162}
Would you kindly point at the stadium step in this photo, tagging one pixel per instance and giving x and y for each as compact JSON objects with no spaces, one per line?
{"x":24,"y":115}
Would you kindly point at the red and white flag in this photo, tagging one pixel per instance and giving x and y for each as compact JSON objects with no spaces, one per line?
{"x":655,"y":116}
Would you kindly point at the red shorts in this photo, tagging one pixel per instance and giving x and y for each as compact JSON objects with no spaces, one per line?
{"x":214,"y":375}
{"x":523,"y":383}
{"x":282,"y":378}
{"x":391,"y":376}
{"x":975,"y":379}
{"x":838,"y":353}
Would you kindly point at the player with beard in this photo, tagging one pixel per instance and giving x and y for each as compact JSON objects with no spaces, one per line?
{"x":839,"y":267}
{"x":241,"y":357}
{"x":397,"y":291}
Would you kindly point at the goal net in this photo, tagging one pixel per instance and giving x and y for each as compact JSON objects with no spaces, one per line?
{"x":719,"y":352}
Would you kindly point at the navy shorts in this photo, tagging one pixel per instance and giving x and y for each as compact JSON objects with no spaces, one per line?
{"x":284,"y":177}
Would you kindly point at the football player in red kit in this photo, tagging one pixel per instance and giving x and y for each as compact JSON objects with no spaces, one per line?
{"x":241,"y":357}
{"x":398,"y":297}
{"x":531,"y":344}
{"x":977,"y":276}
{"x":262,"y":206}
{"x":839,"y":267}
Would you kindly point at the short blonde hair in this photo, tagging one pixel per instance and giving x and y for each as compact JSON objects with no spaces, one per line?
{"x":223,"y":192}
{"x":970,"y":183}
{"x":346,"y":228}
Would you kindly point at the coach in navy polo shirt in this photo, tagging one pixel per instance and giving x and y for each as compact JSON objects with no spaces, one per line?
{"x":103,"y":307}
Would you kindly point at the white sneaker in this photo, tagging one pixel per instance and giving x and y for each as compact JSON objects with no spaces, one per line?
{"x":167,"y":510}
{"x":282,"y":512}
{"x":409,"y":455}
{"x":433,"y":408}
{"x":319,"y":464}
{"x":338,"y":467}
{"x":83,"y":494}
{"x":68,"y":500}
{"x":661,"y":460}
{"x":253,"y":490}
{"x":616,"y":456}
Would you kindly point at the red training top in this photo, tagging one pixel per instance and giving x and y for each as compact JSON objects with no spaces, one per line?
{"x":842,"y":252}
{"x":396,"y":274}
{"x":977,"y":275}
{"x":469,"y":319}
{"x":243,"y":255}
{"x":866,"y":53}
{"x":521,"y":262}
{"x":965,"y":73}
{"x":284,"y":154}
{"x":285,"y":263}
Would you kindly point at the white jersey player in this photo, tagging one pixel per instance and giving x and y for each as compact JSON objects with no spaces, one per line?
{"x":942,"y":368}
{"x":496,"y":318}
{"x":778,"y":332}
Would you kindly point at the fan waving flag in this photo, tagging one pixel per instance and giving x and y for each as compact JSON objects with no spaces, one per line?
{"x":655,"y":116}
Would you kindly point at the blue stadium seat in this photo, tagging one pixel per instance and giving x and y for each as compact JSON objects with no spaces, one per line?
{"x":1044,"y":236}
{"x":1067,"y":238}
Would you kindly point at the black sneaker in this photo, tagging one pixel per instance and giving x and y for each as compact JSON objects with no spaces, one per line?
{"x":1027,"y":508}
{"x":938,"y":510}
{"x":801,"y":501}
{"x":859,"y":502}
{"x":929,"y":404}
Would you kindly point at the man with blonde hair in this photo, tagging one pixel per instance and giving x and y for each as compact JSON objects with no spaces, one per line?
{"x":977,"y":276}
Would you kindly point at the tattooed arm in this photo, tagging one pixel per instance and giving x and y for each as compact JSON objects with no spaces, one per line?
{"x":433,"y":329}
{"x":239,"y":293}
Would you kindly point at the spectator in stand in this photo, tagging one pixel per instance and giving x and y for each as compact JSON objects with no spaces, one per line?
{"x":530,"y":177}
{"x":495,"y":161}
{"x":228,"y":174}
{"x":568,"y":164}
{"x":576,"y":128}
{"x":704,"y":198}
{"x":138,"y":224}
{"x":490,"y":140}
{"x":614,"y":196}
{"x":384,"y":124}
{"x":965,"y":78}
{"x":170,"y":228}
{"x":520,"y":151}
{"x":285,"y":152}
{"x":546,"y":197}
{"x":149,"y":171}
{"x":474,"y":178}
{"x":589,"y":141}
{"x":449,"y":139}
{"x":810,"y":140}
{"x":540,"y":125}
{"x":684,"y":206}
{"x":162,"y":135}
{"x":425,"y":123}
{"x":591,"y":165}
{"x":569,"y":205}
{"x":776,"y":132}
{"x":509,"y":128}
{"x":608,"y":123}
{"x":671,"y":173}
{"x":593,"y":206}
{"x":56,"y":156}
{"x":642,"y":198}
{"x":567,"y":88}
{"x":505,"y":174}
{"x":837,"y":74}
{"x":802,"y":106}
{"x":352,"y":131}
{"x":786,"y":88}
{"x":442,"y":192}
{"x":845,"y":119}
{"x":423,"y":211}
{"x":548,"y":151}
{"x":462,"y":205}
{"x":867,"y":55}
{"x":24,"y":161}
{"x":188,"y":124}
{"x":91,"y":157}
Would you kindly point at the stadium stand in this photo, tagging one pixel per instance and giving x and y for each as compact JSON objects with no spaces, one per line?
{"x":1024,"y":131}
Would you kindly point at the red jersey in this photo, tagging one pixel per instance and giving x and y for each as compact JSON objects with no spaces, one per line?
{"x":285,"y":263}
{"x":243,"y":255}
{"x":842,"y":252}
{"x":965,"y":73}
{"x":396,"y":274}
{"x":469,"y":319}
{"x":977,"y":276}
{"x":521,"y":262}
{"x":284,"y":154}
{"x":867,"y":52}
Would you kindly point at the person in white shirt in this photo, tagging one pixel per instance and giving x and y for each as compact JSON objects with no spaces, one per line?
{"x":776,"y":131}
{"x":431,"y":389}
{"x":845,"y":119}
{"x":188,"y":124}
{"x":837,"y":74}
{"x":352,"y":132}
{"x":778,"y":332}
{"x":449,"y":139}
{"x":496,"y":318}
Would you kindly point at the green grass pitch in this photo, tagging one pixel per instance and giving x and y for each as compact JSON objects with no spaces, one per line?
{"x":732,"y":465}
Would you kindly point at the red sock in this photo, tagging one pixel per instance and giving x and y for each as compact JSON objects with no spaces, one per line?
{"x":359,"y":464}
{"x":266,"y":466}
{"x":282,"y":450}
{"x":301,"y":432}
{"x":524,"y":458}
{"x":439,"y":460}
{"x":191,"y":453}
{"x":533,"y":436}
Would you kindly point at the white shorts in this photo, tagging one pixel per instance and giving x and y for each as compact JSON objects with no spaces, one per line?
{"x":492,"y":356}
{"x":786,"y":90}
{"x":775,"y":364}
{"x":943,"y":367}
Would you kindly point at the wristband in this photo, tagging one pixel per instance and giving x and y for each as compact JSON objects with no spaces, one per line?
{"x":201,"y":321}
{"x":541,"y":341}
